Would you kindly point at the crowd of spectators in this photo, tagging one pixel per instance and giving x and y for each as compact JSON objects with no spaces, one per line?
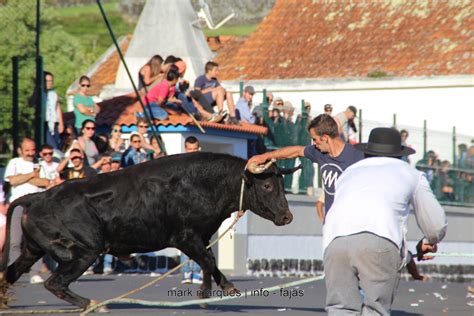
{"x":450,"y":183}
{"x":80,"y":151}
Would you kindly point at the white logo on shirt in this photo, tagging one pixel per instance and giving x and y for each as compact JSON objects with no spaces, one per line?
{"x":330,"y":172}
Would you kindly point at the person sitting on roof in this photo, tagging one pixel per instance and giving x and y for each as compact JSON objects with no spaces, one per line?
{"x":209,"y":92}
{"x":150,"y":73}
{"x":182,"y":93}
{"x":162,"y":94}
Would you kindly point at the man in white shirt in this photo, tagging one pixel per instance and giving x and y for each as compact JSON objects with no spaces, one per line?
{"x":364,"y":241}
{"x":24,"y":178}
{"x":342,"y":120}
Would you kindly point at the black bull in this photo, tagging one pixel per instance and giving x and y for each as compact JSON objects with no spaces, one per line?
{"x":176,"y":201}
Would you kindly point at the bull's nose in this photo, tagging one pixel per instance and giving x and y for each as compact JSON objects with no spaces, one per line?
{"x":288,"y":218}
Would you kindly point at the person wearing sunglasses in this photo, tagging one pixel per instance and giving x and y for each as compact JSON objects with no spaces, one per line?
{"x":134,"y":153}
{"x":86,"y":142}
{"x":84,"y":106}
{"x":48,"y":165}
{"x":147,"y":143}
{"x":115,"y":141}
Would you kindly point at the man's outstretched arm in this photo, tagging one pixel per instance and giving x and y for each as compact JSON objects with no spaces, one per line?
{"x":282,"y":153}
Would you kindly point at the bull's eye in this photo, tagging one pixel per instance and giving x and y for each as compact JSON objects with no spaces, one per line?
{"x":267,"y":187}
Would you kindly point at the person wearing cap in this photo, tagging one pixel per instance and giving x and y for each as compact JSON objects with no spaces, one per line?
{"x":242,"y":108}
{"x":364,"y":235}
{"x":342,"y":120}
{"x":328,"y":109}
{"x":115,"y":161}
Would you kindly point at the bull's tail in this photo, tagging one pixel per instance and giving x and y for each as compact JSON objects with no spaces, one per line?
{"x":23,"y":203}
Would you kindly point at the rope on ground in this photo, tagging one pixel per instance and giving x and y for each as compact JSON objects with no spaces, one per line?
{"x":450,"y":254}
{"x":46,"y":311}
{"x":244,"y":294}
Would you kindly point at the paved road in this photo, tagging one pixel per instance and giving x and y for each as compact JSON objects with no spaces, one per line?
{"x":414,"y":298}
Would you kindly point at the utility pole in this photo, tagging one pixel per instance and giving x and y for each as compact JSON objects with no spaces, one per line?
{"x":40,"y":102}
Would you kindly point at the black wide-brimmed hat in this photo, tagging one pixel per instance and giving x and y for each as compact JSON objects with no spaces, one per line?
{"x":385,"y":141}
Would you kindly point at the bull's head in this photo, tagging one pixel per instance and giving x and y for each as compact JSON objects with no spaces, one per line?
{"x":266,"y":193}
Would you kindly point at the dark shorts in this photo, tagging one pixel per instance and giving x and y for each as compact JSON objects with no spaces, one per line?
{"x":209,"y":98}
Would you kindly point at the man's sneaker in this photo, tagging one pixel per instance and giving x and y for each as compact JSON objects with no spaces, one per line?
{"x":187,"y":278}
{"x":36,"y":279}
{"x":224,"y":114}
{"x":196,"y":278}
{"x":233,"y":121}
{"x":216,"y":118}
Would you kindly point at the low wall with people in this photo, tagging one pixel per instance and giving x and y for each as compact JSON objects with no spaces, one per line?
{"x":261,"y":248}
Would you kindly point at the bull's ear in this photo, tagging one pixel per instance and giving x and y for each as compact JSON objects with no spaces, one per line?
{"x":247,"y":178}
{"x":284,"y":171}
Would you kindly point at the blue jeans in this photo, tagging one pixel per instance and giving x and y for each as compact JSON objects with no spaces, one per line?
{"x":157,"y":112}
{"x":190,"y":266}
{"x":108,"y":261}
{"x":53,"y":140}
{"x":186,"y":104}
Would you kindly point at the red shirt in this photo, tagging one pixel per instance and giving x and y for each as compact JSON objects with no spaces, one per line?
{"x":159,"y":91}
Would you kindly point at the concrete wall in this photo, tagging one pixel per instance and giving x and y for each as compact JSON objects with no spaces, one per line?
{"x":257,"y":238}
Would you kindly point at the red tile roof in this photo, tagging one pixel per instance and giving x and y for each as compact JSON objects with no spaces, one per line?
{"x":216,"y":43}
{"x":336,"y":39}
{"x":122,"y":110}
{"x":107,"y":71}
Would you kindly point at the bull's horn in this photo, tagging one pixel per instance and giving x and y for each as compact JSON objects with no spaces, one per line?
{"x":256,"y":169}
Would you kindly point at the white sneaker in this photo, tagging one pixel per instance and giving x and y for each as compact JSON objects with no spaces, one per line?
{"x":107,"y":271}
{"x":36,"y":279}
{"x":187,"y":278}
{"x":196,"y":278}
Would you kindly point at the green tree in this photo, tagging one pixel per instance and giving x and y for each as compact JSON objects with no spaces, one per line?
{"x":61,"y":53}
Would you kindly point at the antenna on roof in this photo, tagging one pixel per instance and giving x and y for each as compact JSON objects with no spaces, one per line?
{"x":205,"y":14}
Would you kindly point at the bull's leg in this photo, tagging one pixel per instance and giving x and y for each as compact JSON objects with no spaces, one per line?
{"x":205,"y":258}
{"x":67,"y":272}
{"x":28,"y":256}
{"x":23,"y":263}
{"x":219,"y":277}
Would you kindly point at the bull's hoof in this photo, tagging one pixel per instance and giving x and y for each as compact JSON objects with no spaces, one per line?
{"x":231,"y":291}
{"x":204,"y":293}
{"x":100,"y":310}
{"x":4,"y":295}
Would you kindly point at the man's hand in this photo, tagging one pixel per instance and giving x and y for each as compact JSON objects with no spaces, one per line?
{"x":422,"y":248}
{"x":258,"y":159}
{"x":35,"y":173}
{"x":61,"y":128}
